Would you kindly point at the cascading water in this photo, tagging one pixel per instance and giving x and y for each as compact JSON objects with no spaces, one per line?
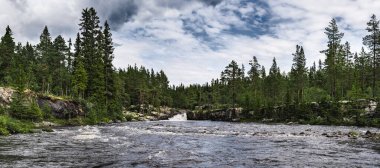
{"x":192,"y":144}
{"x":179,"y":117}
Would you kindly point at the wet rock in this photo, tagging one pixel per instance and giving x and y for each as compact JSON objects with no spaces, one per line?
{"x":353,"y":134}
{"x":47,"y":130}
{"x":231,"y":114}
{"x":46,"y":124}
{"x":151,"y":118}
{"x":368,"y":133}
{"x":59,"y":108}
{"x":36,"y":130}
{"x":332,"y":135}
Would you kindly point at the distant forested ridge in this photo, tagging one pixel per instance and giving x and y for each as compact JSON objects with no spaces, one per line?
{"x":81,"y":68}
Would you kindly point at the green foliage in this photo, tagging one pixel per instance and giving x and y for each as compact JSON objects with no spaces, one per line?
{"x":9,"y":125}
{"x":88,"y":76}
{"x":20,"y":108}
{"x":3,"y":110}
{"x":46,"y":111}
{"x":356,"y":93}
{"x":314,"y":94}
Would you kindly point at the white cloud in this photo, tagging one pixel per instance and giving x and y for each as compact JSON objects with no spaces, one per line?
{"x":191,"y":41}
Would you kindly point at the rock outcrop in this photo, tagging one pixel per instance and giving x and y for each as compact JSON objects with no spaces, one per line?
{"x":58,"y":107}
{"x":150,"y":113}
{"x":63,"y":109}
{"x":6,"y":96}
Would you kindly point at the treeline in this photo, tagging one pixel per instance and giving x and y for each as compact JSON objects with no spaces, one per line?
{"x":342,"y":75}
{"x":81,"y":69}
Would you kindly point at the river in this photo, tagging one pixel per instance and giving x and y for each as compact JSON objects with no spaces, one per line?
{"x":190,"y":144}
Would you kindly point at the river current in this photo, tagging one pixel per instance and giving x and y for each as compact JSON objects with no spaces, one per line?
{"x":190,"y":144}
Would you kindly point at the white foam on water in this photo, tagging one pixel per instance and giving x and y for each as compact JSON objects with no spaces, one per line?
{"x":179,"y":117}
{"x":87,"y":133}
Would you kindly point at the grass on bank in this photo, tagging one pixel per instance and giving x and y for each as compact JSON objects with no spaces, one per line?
{"x":10,"y":125}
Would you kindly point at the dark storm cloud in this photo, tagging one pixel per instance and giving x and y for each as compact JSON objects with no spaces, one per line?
{"x":211,"y":2}
{"x":122,"y":14}
{"x":118,"y":12}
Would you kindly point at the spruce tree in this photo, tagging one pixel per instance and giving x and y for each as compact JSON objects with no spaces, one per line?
{"x":108,"y":56}
{"x":7,"y":49}
{"x":91,"y":48}
{"x":79,"y":75}
{"x":372,"y":41}
{"x":272,"y":83}
{"x":298,"y":72}
{"x":58,"y":66}
{"x":254,"y":76}
{"x":45,"y":52}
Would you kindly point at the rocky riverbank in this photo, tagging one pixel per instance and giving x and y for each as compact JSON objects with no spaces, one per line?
{"x":231,"y":114}
{"x":150,"y":113}
{"x":30,"y":112}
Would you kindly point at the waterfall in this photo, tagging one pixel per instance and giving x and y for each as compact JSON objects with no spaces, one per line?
{"x":179,"y":117}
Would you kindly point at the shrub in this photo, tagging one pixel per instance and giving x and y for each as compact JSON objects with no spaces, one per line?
{"x":314,"y":94}
{"x":46,"y":111}
{"x":9,"y":125}
{"x":35,"y":113}
{"x":4,"y":131}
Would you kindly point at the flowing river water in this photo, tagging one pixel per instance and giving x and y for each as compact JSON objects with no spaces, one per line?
{"x":190,"y":144}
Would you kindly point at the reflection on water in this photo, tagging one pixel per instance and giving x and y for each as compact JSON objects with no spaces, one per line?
{"x":190,"y":144}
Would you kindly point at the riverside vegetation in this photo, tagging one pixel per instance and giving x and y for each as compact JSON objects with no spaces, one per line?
{"x":80,"y":75}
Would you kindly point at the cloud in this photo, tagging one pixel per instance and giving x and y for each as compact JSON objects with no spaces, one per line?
{"x":211,"y":2}
{"x":193,"y":40}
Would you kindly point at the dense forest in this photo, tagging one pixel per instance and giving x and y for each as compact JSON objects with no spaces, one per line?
{"x":82,"y":69}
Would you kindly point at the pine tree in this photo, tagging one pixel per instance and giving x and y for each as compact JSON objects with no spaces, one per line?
{"x":79,"y":75}
{"x":254,"y":76}
{"x":334,"y":38}
{"x":254,"y":72}
{"x":298,"y":72}
{"x":7,"y":49}
{"x":372,"y":41}
{"x":69,"y":67}
{"x":91,"y":48}
{"x":312,"y":75}
{"x":58,"y":65}
{"x":45,"y":52}
{"x":272,"y":83}
{"x":79,"y":81}
{"x":232,"y":75}
{"x":108,"y":67}
{"x":347,"y":71}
